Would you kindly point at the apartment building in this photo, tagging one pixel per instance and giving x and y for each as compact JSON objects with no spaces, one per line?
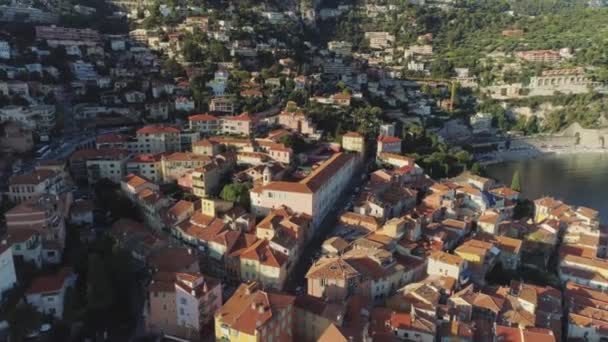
{"x":255,"y":315}
{"x":158,"y":139}
{"x":242,"y":125}
{"x":310,"y":196}
{"x":175,"y":165}
{"x":91,"y":165}
{"x":35,"y":183}
{"x":40,"y":118}
{"x":206,"y":124}
{"x":206,"y":180}
{"x":111,"y":166}
{"x":147,"y":165}
{"x":62,"y":36}
{"x":182,"y":304}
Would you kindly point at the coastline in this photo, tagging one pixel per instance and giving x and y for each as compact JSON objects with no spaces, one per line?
{"x":517,"y":155}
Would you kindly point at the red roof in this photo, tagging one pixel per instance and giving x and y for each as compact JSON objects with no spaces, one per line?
{"x":243,"y":117}
{"x":49,"y":284}
{"x":386,"y":139}
{"x":202,"y":117}
{"x":111,"y":138}
{"x":146,"y":158}
{"x":157,"y":130}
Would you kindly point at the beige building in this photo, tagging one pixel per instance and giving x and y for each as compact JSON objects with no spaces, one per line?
{"x":263,"y":264}
{"x":158,"y":139}
{"x":26,"y":186}
{"x":310,"y":196}
{"x":181,"y":303}
{"x":296,"y":120}
{"x":206,"y":147}
{"x":177,"y":164}
{"x":206,"y":180}
{"x":255,"y":315}
{"x":332,"y":279}
{"x":353,"y":141}
{"x":314,"y":315}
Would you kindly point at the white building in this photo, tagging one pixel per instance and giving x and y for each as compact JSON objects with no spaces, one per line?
{"x":312,"y":194}
{"x":447,"y":265}
{"x":47,"y":293}
{"x":8,"y":277}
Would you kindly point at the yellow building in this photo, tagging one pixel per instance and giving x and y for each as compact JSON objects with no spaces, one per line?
{"x":353,"y":141}
{"x":255,"y":315}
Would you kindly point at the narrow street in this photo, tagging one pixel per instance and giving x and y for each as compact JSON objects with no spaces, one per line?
{"x":297,"y":278}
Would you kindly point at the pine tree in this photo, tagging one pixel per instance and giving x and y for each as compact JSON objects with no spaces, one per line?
{"x":516,"y":181}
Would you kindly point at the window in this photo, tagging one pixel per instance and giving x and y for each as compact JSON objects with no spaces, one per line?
{"x":182,"y":301}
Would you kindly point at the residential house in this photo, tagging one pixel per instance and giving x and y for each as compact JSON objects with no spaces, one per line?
{"x":255,"y":315}
{"x":47,"y":293}
{"x":314,"y":315}
{"x":182,"y":304}
{"x":45,"y":214}
{"x":450,"y":265}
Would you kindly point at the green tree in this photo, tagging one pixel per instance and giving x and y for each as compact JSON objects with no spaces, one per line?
{"x":295,"y":142}
{"x":237,"y":193}
{"x":516,"y":181}
{"x":100,"y":295}
{"x":476,"y":169}
{"x":173,"y":69}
